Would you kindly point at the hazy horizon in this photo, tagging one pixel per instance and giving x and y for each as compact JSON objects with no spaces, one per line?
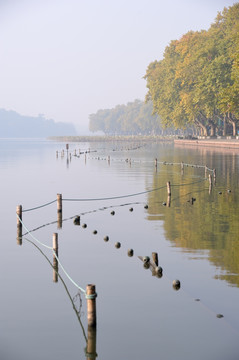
{"x":68,"y":59}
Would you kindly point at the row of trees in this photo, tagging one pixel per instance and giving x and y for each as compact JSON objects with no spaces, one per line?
{"x":134,"y":118}
{"x":197,"y":81}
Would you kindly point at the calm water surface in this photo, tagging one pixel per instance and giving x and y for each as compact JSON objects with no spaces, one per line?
{"x":139,"y":315}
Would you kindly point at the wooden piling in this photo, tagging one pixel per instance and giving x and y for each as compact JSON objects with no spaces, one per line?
{"x":59,"y":203}
{"x":91,"y":305}
{"x":91,"y":343}
{"x":19,"y":234}
{"x":19,"y":213}
{"x":169,"y":188}
{"x":55,"y":261}
{"x":214,"y":175}
{"x":156,"y":162}
{"x":155,"y":258}
{"x":55,"y":242}
{"x":55,"y":269}
{"x":210,"y":183}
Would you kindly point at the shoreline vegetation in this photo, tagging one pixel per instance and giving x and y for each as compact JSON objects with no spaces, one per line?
{"x":228,"y":142}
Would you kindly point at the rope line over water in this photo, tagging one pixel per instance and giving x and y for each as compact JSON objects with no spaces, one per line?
{"x":116,"y":197}
{"x":40,"y":206}
{"x":54,"y":253}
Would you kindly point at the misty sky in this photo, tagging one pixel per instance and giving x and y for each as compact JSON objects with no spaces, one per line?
{"x":69,"y":58}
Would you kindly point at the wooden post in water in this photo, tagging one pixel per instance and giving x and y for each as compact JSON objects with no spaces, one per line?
{"x":91,"y":305}
{"x":210,"y":183}
{"x":91,"y":343}
{"x":169,"y":188}
{"x":59,"y":203}
{"x":55,"y":261}
{"x":155,"y":258}
{"x":205,"y":171}
{"x":19,"y":214}
{"x":19,"y":224}
{"x":55,"y":242}
{"x":59,"y":211}
{"x":156,"y":163}
{"x":182,"y":168}
{"x":214,"y":176}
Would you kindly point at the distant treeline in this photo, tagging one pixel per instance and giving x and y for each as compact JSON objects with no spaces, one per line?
{"x":197,"y":81}
{"x":131,"y":119}
{"x":15,"y":125}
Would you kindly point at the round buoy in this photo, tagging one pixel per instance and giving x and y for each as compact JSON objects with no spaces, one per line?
{"x":164,"y":204}
{"x":117,"y":245}
{"x":106,"y":238}
{"x":131,"y":209}
{"x":112,"y":212}
{"x":95,"y":232}
{"x":158,"y":270}
{"x":77,"y":220}
{"x":176,"y":284}
{"x":219,"y":316}
{"x":146,"y":206}
{"x":130,"y":252}
{"x":146,"y":265}
{"x":84,"y":226}
{"x":220,"y":193}
{"x":229,"y":191}
{"x":146,"y":259}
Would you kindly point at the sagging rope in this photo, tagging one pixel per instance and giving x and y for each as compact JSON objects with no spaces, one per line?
{"x":115,"y":197}
{"x":53,"y":251}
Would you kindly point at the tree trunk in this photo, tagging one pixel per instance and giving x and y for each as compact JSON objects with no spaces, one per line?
{"x":224,"y":126}
{"x":202,"y":127}
{"x":233,"y":123}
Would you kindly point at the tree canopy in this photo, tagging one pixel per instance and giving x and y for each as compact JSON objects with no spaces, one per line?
{"x":197,"y":81}
{"x":134,"y":118}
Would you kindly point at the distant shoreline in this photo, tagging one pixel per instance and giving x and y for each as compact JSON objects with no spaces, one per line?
{"x":109,"y":138}
{"x":219,"y":143}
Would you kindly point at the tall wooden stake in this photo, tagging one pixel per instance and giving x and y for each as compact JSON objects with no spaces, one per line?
{"x":91,"y":305}
{"x":169,"y":188}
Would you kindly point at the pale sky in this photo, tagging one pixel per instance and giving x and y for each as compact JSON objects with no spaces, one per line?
{"x":67,"y":59}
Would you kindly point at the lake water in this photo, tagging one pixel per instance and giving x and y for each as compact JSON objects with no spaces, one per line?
{"x":139,"y":315}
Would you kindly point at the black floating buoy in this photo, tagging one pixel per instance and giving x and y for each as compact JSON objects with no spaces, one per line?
{"x":130,"y":252}
{"x":229,"y":191}
{"x":164,"y":204}
{"x":95,"y":232}
{"x":106,"y":238}
{"x":117,"y":245}
{"x":220,"y":193}
{"x":197,"y":299}
{"x":112,"y":212}
{"x":158,"y":270}
{"x":176,"y":284}
{"x":131,"y":209}
{"x":219,"y":316}
{"x":146,"y":206}
{"x":146,"y":259}
{"x":84,"y":226}
{"x":77,"y":220}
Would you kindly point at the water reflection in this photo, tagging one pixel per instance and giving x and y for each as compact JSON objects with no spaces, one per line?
{"x":210,"y":221}
{"x":90,"y":339}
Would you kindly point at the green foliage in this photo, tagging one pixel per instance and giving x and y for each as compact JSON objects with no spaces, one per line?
{"x":197,"y":81}
{"x":134,"y":118}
